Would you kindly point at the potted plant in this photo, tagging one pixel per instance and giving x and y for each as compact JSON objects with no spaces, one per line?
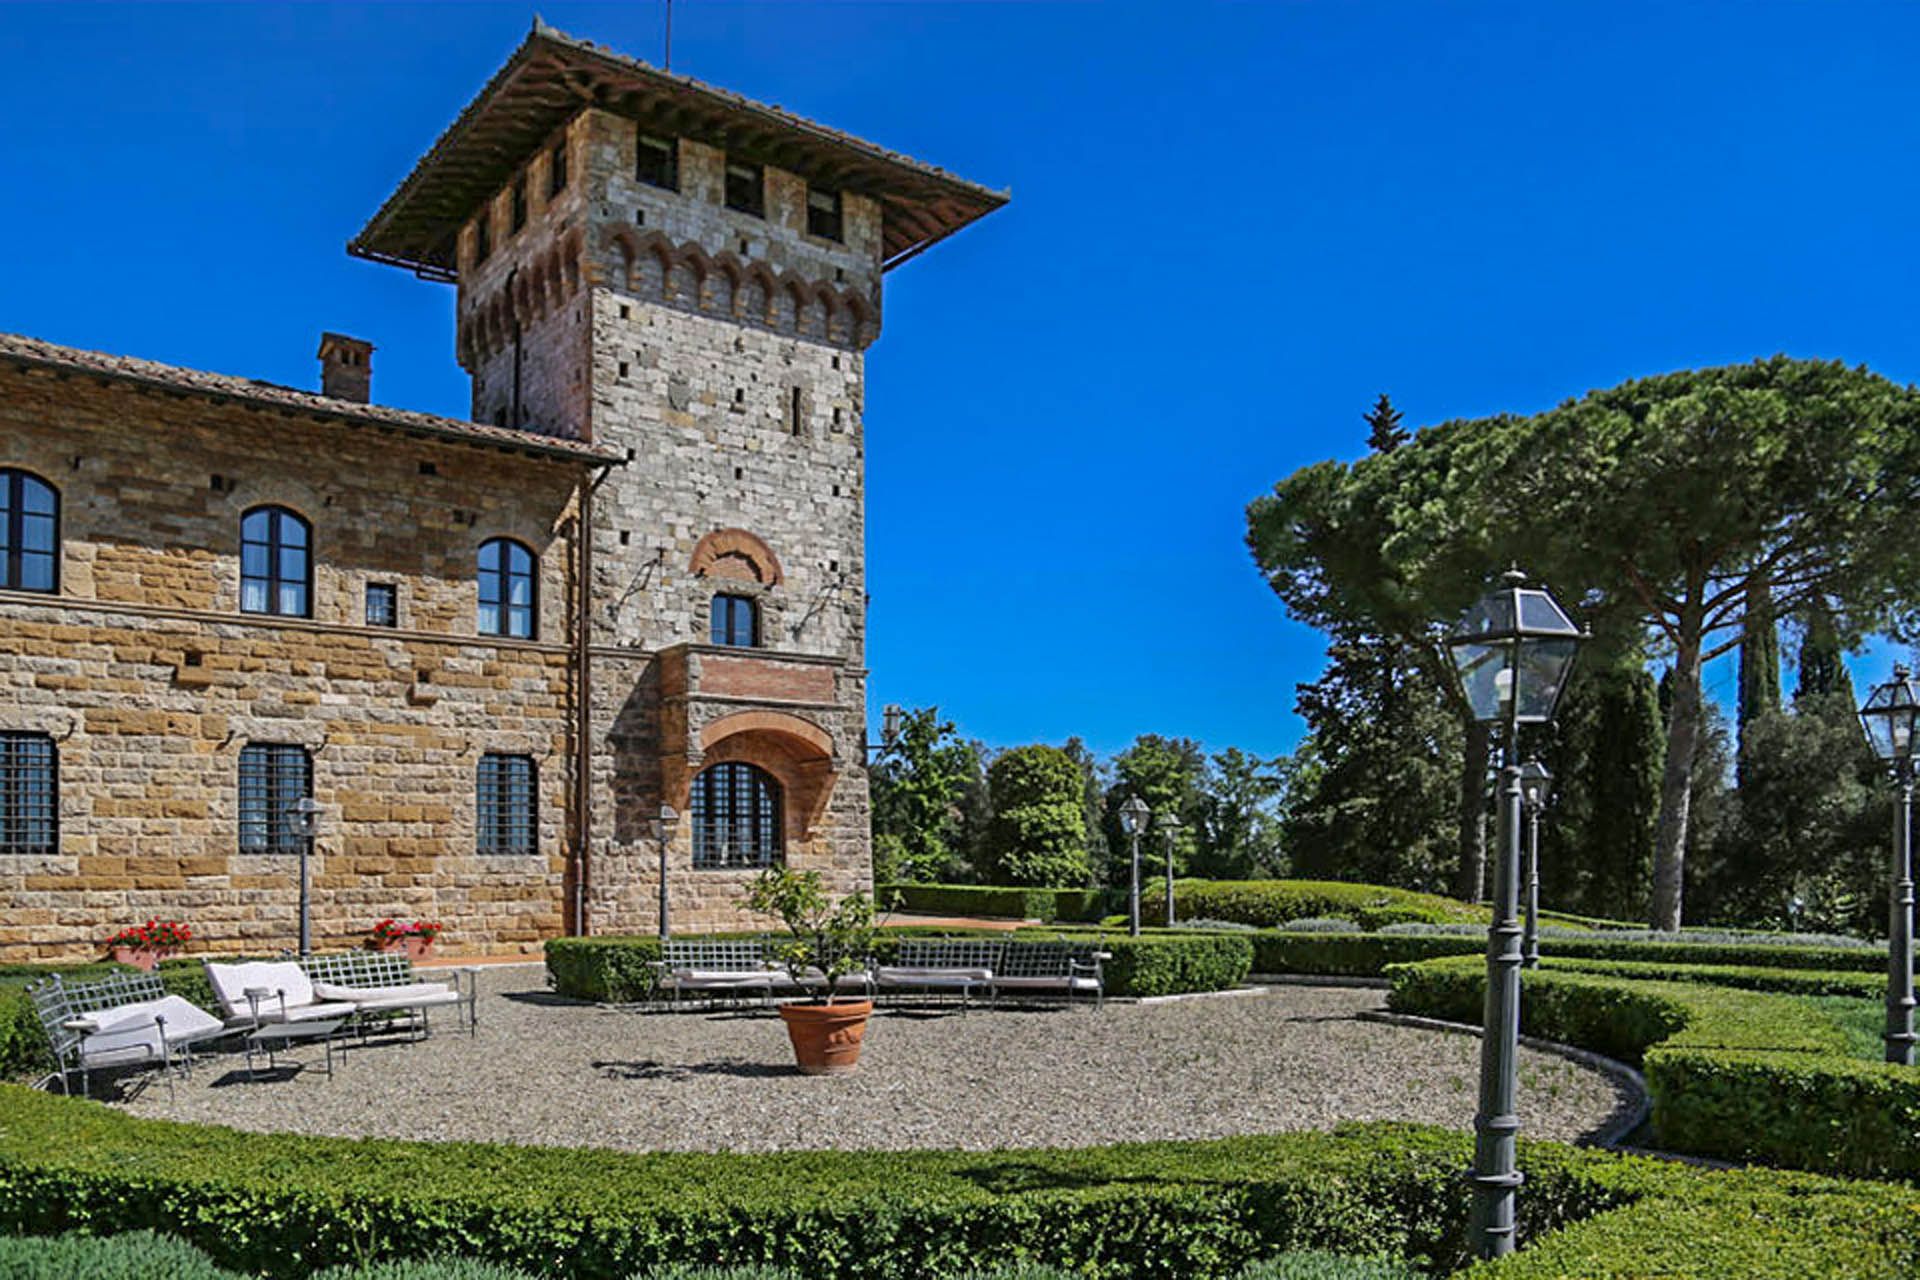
{"x":144,"y":946}
{"x":415,"y":939}
{"x":827,"y":943}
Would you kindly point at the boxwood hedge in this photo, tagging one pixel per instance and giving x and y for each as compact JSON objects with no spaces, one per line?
{"x":1272,"y":902}
{"x":286,"y":1205}
{"x":1733,"y":1074}
{"x":620,"y":969}
{"x":1369,"y":954}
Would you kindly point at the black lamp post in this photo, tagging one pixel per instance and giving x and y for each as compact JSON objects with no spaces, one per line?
{"x":663,"y":823}
{"x":1512,"y":653}
{"x":303,"y":816}
{"x":1892,"y":719}
{"x":1536,"y":790}
{"x":1134,"y":816}
{"x":1169,"y":825}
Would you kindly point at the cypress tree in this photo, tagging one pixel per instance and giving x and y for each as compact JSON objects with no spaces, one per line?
{"x":1822,"y":673}
{"x":1606,"y":756}
{"x":1759,"y":665}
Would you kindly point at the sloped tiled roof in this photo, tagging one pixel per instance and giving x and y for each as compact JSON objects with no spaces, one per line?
{"x":552,"y":75}
{"x":33,"y":353}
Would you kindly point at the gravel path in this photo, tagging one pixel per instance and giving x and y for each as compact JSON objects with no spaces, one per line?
{"x":552,"y":1072}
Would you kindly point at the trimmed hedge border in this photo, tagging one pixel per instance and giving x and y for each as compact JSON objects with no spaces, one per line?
{"x":1733,"y":1074}
{"x":619,"y":970}
{"x":1368,"y":955}
{"x":1266,"y":903}
{"x":995,"y":901}
{"x":288,"y":1204}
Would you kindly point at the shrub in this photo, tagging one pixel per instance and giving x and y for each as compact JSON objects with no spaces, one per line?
{"x":137,"y":1255}
{"x":972,"y":900}
{"x":1268,"y":903}
{"x":1328,"y":1266}
{"x":1318,"y":924}
{"x":1173,"y":964}
{"x":1733,"y":1074}
{"x":425,"y":1269}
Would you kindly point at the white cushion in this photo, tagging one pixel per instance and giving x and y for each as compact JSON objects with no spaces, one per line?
{"x":902,"y":976}
{"x":1058,"y":982}
{"x":363,"y":995}
{"x":306,"y":1012}
{"x":232,"y":981}
{"x":721,"y":977}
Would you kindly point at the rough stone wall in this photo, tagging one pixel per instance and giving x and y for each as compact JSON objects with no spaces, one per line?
{"x":151,"y":681}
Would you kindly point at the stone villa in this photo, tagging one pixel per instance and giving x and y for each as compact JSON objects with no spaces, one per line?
{"x":490,"y":650}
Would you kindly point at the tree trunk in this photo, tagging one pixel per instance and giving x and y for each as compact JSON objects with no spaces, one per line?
{"x":1676,"y":789}
{"x":1473,"y":814}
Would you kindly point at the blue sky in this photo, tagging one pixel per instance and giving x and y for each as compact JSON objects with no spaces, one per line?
{"x":1232,"y":226}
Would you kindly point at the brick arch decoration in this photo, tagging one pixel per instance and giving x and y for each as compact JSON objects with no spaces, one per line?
{"x":738,"y":554}
{"x":798,"y":753}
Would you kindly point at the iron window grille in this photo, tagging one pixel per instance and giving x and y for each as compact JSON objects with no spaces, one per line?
{"x":273,"y":777}
{"x":657,"y":162}
{"x":823,"y":213}
{"x":383,"y":604}
{"x":29,"y":532}
{"x":556,"y":171}
{"x":29,"y":794}
{"x":507,"y":595}
{"x":505,"y":805}
{"x":735,"y":622}
{"x":746,"y":189}
{"x":276,"y":563}
{"x":736,"y":818}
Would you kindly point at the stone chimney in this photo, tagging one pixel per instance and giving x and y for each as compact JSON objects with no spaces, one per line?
{"x":346,"y":367}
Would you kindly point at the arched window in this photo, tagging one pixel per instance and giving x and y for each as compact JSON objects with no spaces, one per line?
{"x":276,"y":563}
{"x":29,"y":533}
{"x":736,"y":817}
{"x":735,"y":621}
{"x":506,"y":589}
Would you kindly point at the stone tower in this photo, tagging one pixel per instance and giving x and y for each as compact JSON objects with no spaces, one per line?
{"x":652,"y":264}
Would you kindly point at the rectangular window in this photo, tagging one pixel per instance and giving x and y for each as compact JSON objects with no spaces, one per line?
{"x":556,"y":171}
{"x":383,"y":604}
{"x":504,"y":805}
{"x":823,"y":213}
{"x":29,"y":794}
{"x":746,"y":189}
{"x":657,"y":161}
{"x":273,"y":778}
{"x":483,"y":235}
{"x":519,"y":205}
{"x":734,"y":622}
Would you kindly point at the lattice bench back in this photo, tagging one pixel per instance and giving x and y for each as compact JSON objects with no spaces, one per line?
{"x":359,"y":968}
{"x":734,"y":955}
{"x":949,"y":953}
{"x":1034,"y":960}
{"x":56,"y":1001}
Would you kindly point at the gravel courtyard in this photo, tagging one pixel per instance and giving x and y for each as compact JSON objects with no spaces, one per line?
{"x":552,"y":1072}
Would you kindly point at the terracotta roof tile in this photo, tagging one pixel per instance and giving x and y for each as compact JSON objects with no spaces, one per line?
{"x":23,"y":351}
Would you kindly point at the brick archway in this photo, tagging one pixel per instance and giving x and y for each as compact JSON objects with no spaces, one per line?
{"x":736,"y":554}
{"x":798,"y":753}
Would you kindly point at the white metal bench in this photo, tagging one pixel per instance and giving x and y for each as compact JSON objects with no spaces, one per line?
{"x":963,"y":967}
{"x":1064,"y":969}
{"x":377,"y":982}
{"x":714,"y":968}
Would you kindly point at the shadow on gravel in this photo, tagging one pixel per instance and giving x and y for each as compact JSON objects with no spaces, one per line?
{"x":649,"y":1070}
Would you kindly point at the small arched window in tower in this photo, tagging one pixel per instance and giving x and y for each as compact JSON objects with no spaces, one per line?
{"x":276,"y":563}
{"x":735,"y":622}
{"x":736,"y":817}
{"x":29,"y":532}
{"x":507,"y":596}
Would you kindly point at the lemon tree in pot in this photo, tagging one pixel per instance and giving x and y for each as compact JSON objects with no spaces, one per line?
{"x":828,"y":942}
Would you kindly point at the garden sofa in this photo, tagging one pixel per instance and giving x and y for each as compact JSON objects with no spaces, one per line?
{"x":124,"y":1020}
{"x":354,"y":986}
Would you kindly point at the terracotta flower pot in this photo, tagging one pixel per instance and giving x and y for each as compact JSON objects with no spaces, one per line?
{"x":147,"y":958}
{"x":412,"y":946}
{"x":826,"y":1037}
